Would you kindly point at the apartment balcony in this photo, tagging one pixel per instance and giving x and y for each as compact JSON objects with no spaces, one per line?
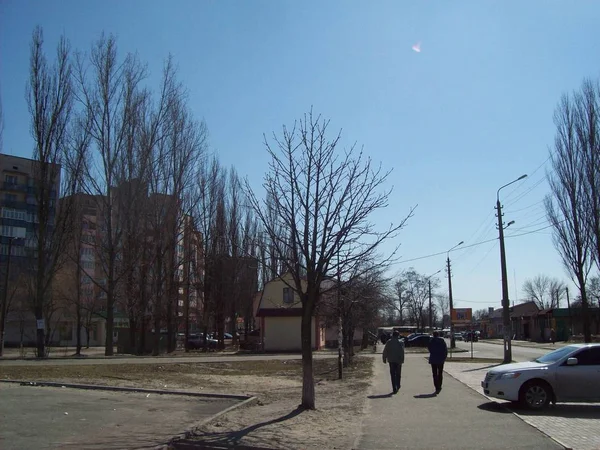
{"x":14,"y":187}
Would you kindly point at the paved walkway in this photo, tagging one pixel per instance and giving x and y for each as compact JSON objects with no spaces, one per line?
{"x":457,"y":418}
{"x":575,"y":425}
{"x":540,"y":345}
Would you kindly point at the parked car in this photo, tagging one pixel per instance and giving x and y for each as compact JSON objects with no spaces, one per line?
{"x":412,"y":335}
{"x":568,"y":374}
{"x":421,"y":340}
{"x":196,"y":342}
{"x":251,"y":341}
{"x":470,"y":335}
{"x":458,"y":337}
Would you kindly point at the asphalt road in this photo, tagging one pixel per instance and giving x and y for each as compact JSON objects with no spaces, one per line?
{"x":485,"y":350}
{"x":47,"y":418}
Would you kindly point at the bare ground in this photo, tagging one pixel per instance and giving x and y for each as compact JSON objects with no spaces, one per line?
{"x":273,"y":422}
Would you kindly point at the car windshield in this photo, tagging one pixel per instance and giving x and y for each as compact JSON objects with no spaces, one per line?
{"x":556,"y":355}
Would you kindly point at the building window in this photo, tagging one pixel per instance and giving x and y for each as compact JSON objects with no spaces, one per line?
{"x":288,"y":295}
{"x":11,"y":179}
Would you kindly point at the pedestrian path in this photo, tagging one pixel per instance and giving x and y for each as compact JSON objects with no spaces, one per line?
{"x":457,"y":418}
{"x":575,"y":425}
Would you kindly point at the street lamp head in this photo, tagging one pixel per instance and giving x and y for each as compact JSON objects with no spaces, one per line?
{"x":460,"y":243}
{"x":508,"y":184}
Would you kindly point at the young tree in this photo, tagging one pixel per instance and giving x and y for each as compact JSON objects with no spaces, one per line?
{"x":400,"y":303}
{"x":50,"y":99}
{"x":566,"y":206}
{"x":323,"y":199}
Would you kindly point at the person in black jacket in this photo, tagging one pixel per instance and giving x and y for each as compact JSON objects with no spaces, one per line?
{"x":438,"y":352}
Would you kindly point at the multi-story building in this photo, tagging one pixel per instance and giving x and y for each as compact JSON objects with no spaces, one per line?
{"x":18,"y":226}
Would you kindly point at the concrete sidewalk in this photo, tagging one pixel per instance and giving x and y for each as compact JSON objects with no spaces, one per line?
{"x":457,"y":418}
{"x":529,"y":344}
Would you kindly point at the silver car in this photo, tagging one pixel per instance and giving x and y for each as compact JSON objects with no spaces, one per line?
{"x":569,"y":374}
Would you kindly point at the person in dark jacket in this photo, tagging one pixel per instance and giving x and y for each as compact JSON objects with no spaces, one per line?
{"x":438,"y":352}
{"x":393,"y":353}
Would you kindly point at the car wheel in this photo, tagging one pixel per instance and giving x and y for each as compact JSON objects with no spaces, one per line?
{"x":535,"y":395}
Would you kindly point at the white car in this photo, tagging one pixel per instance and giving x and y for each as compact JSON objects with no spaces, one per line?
{"x":569,"y":374}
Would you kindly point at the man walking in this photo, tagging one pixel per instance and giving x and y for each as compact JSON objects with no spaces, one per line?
{"x":393,"y":354}
{"x":438,"y":352}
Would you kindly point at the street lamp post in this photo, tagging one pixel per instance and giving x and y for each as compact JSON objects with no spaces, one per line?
{"x":5,"y":298}
{"x":505,"y":301}
{"x":452,"y":340}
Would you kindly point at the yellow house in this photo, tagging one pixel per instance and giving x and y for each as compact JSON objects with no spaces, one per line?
{"x":280,"y":314}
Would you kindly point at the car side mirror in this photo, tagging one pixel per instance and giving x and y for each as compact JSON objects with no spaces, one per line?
{"x":572,"y":362}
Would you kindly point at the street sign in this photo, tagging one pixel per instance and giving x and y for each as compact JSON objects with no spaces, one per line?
{"x":462,"y":315}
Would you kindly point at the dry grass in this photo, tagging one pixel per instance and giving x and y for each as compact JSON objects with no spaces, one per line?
{"x":273,"y":422}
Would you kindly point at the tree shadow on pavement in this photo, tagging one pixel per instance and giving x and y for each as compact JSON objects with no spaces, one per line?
{"x":228,"y":439}
{"x":373,"y":397}
{"x":432,"y":395}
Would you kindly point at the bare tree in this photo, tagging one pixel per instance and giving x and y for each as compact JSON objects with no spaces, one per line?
{"x":400,"y":303}
{"x":50,"y":99}
{"x":480,"y":314}
{"x":545,"y":291}
{"x":323,"y":199}
{"x":110,"y":96}
{"x":1,"y":125}
{"x":443,"y":302}
{"x":416,"y":288}
{"x":585,"y":106}
{"x":566,"y":206}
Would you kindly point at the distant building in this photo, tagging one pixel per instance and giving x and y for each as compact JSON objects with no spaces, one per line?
{"x":19,"y":225}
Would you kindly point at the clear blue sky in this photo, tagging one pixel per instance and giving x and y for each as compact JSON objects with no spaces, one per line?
{"x":469,"y":113}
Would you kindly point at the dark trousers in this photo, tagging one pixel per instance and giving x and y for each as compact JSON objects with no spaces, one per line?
{"x":395,"y":375}
{"x":437,"y":370}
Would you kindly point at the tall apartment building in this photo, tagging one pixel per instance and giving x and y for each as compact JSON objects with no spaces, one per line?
{"x":18,"y":224}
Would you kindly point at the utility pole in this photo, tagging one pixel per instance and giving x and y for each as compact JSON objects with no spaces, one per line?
{"x":5,"y":298}
{"x":570,"y":315}
{"x":505,"y":300}
{"x":430,"y":311}
{"x":452,"y":340}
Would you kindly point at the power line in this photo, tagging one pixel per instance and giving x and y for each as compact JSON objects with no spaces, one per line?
{"x":532,"y":231}
{"x":483,"y":259}
{"x":443,"y":253}
{"x":523,"y":209}
{"x":540,"y":181}
{"x":529,"y":177}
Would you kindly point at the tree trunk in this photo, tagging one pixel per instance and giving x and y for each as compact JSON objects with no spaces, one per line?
{"x":40,"y":336}
{"x":78,"y":332}
{"x":170,"y":325}
{"x":308,"y":382}
{"x":587,"y":332}
{"x":87,"y":332}
{"x":141,"y":343}
{"x":110,"y":320}
{"x":132,"y":333}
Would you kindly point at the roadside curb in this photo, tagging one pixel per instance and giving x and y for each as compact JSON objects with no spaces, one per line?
{"x":483,"y":341}
{"x":510,"y":411}
{"x":96,"y":387}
